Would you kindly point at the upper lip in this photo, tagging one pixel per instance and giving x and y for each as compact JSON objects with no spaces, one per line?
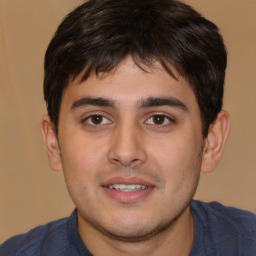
{"x":127,"y":181}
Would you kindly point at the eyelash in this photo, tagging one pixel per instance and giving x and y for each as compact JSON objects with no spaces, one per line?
{"x":106,"y":121}
{"x":88,"y":120}
{"x":166,"y":122}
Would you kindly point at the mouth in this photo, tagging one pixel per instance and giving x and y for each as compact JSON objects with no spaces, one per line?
{"x":127,"y":190}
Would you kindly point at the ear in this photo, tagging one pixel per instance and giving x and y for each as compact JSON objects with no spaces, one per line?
{"x":51,"y":143}
{"x":215,"y":142}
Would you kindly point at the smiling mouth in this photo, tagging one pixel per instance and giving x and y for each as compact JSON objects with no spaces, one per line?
{"x":128,"y":188}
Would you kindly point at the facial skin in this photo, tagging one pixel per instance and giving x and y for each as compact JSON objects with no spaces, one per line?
{"x":134,"y":128}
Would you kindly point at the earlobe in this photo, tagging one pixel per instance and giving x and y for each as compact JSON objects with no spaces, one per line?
{"x":215,"y":142}
{"x":51,"y":143}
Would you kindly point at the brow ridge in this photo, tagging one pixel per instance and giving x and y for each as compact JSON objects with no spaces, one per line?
{"x":162,"y":101}
{"x":143,"y":103}
{"x":100,"y":102}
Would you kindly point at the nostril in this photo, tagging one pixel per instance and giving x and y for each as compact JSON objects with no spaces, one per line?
{"x":126,"y":162}
{"x":127,"y":147}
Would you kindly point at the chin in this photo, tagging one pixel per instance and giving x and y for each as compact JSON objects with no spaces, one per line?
{"x":134,"y":231}
{"x":133,"y":227}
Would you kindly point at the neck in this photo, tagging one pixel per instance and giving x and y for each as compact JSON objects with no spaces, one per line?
{"x":176,"y":240}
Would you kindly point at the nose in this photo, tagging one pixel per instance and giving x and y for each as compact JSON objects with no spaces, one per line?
{"x":127,"y":146}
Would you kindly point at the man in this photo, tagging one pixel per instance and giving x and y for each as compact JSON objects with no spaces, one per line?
{"x":134,"y":97}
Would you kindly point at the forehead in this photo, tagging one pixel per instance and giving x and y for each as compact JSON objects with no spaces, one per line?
{"x":128,"y":83}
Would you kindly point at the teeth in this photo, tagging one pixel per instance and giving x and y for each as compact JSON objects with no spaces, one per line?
{"x":127,"y":188}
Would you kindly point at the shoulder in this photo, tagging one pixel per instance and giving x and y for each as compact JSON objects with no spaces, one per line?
{"x":241,"y":219}
{"x":227,"y":226}
{"x":30,"y":243}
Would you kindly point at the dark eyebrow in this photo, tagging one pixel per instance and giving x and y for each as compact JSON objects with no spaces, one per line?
{"x":144,"y":103}
{"x":156,"y":102}
{"x":85,"y":101}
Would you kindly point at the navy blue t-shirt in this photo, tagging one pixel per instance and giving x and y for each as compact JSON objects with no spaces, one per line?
{"x":218,"y":230}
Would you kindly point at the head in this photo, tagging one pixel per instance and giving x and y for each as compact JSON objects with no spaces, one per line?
{"x":98,"y":35}
{"x":134,"y":94}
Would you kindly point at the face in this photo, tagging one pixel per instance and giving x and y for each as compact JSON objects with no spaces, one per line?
{"x":131,"y":150}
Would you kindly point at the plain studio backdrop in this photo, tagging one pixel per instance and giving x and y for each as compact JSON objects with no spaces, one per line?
{"x":32,"y":194}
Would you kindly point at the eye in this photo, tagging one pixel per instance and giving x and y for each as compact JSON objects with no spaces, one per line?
{"x":97,"y":120}
{"x":160,"y":120}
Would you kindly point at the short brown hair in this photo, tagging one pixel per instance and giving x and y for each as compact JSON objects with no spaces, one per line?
{"x":99,"y":34}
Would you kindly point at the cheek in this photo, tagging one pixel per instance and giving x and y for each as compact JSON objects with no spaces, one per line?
{"x":81,"y":161}
{"x":179,"y":159}
{"x":81,"y":155}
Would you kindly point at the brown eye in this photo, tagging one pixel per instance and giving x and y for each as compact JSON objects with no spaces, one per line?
{"x":159,"y":120}
{"x":97,"y":120}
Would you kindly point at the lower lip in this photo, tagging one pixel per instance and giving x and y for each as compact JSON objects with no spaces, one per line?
{"x":127,"y":197}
